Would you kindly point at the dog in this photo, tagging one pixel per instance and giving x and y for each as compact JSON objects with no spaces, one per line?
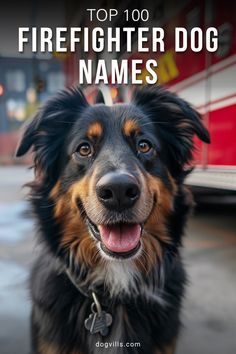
{"x":111,"y":207}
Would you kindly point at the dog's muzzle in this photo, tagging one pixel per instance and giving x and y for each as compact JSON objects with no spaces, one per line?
{"x":117,"y":191}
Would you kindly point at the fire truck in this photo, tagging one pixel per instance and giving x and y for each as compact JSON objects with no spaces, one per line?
{"x":207,"y":80}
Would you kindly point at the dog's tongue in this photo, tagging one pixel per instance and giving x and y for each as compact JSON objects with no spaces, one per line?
{"x":120,"y":238}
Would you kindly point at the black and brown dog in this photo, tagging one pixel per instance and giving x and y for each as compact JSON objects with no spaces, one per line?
{"x":111,"y":207}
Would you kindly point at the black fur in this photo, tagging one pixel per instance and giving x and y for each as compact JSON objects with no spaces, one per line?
{"x":59,"y":307}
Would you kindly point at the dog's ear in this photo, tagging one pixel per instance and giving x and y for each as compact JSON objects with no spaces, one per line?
{"x":176,"y":122}
{"x":47,"y":130}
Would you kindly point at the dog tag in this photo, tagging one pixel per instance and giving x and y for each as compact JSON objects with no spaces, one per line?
{"x":98,"y":321}
{"x":90,"y":321}
{"x":98,"y":324}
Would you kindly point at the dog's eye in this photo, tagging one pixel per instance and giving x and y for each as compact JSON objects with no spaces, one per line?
{"x":84,"y":149}
{"x":144,"y":146}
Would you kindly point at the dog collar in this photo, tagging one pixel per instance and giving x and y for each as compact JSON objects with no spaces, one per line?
{"x":86,"y":293}
{"x":98,"y":320}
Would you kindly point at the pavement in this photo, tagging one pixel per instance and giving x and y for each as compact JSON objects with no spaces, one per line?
{"x":209,"y":311}
{"x":16,"y":254}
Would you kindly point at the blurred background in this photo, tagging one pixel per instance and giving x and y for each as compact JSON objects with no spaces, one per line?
{"x":207,"y":80}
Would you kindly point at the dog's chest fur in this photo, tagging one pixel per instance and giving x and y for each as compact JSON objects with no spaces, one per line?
{"x":141,"y":313}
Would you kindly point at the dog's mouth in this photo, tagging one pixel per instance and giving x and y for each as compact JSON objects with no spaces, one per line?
{"x":121,"y":240}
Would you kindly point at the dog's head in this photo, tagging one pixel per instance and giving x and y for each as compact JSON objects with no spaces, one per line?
{"x":107,"y":177}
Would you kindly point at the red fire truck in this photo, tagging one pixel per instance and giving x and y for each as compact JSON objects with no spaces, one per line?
{"x":208,"y":80}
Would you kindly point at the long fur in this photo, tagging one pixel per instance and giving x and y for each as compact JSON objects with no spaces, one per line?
{"x":144,"y":293}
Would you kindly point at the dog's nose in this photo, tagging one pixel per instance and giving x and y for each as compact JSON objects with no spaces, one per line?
{"x":117,"y":191}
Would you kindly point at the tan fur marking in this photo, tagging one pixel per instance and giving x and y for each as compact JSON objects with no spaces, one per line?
{"x":155,"y":228}
{"x":173,"y":183}
{"x":151,"y":252}
{"x":75,"y":233}
{"x":55,"y":190}
{"x":155,"y":224}
{"x":95,"y":130}
{"x":170,"y":349}
{"x":80,"y":190}
{"x":184,"y":124}
{"x":48,"y":348}
{"x":131,"y":127}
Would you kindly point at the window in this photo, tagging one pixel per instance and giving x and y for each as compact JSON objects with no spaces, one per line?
{"x":55,"y":81}
{"x":15,"y":81}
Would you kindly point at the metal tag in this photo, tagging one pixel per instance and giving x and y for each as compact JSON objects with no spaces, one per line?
{"x":99,"y":320}
{"x":95,"y":323}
